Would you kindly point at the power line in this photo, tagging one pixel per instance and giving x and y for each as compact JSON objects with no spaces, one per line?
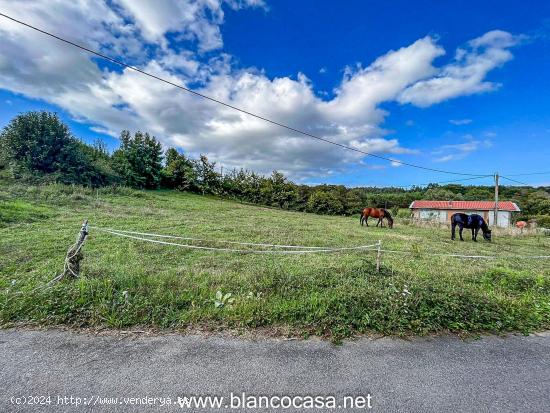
{"x":457,"y":180}
{"x":513,"y":180}
{"x":531,"y":173}
{"x":446,"y":182}
{"x":282,"y":125}
{"x":437,"y":183}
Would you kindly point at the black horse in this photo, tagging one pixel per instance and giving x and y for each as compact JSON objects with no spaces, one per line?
{"x":473,"y":222}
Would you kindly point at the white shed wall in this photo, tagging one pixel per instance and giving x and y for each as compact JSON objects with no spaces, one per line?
{"x":504,"y":218}
{"x":433,"y":215}
{"x":440,"y":215}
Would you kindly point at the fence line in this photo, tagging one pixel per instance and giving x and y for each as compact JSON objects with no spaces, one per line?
{"x":362,"y":247}
{"x":295,"y":249}
{"x":490,"y":257}
{"x":146,"y":234}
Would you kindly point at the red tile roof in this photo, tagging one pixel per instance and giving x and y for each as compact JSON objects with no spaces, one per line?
{"x":465,"y":205}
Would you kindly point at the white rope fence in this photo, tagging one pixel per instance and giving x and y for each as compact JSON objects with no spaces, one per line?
{"x":288,"y":249}
{"x":282,"y":249}
{"x":489,"y":257}
{"x":255,"y":244}
{"x":304,"y":250}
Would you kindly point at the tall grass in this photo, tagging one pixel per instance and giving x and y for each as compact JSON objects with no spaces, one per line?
{"x":127,"y":283}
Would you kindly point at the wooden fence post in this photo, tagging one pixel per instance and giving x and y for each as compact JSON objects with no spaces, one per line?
{"x":74,"y":254}
{"x":378,"y":256}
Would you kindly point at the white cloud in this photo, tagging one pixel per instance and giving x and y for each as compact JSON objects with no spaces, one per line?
{"x":380,"y":145}
{"x":183,"y":61}
{"x":111,"y":100}
{"x":460,"y":122}
{"x":447,"y":158}
{"x":376,"y":167}
{"x":459,"y":151}
{"x":363,"y":89}
{"x":198,"y":20}
{"x":466,"y":74}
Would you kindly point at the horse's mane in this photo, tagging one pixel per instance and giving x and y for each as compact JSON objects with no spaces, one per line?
{"x":388,"y":215}
{"x":484,"y":226}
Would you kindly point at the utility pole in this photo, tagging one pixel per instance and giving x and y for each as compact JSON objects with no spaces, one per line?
{"x":496,"y":199}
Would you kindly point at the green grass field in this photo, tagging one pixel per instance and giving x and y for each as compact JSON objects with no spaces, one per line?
{"x":132,"y":283}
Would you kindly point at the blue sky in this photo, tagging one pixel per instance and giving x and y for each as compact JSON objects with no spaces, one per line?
{"x":460,"y":86}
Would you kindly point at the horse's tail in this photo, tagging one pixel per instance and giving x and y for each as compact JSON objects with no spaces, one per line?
{"x":388,"y":216}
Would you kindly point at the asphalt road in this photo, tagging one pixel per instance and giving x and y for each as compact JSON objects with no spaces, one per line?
{"x":443,"y":374}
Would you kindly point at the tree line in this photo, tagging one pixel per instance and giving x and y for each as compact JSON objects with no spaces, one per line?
{"x":39,"y":147}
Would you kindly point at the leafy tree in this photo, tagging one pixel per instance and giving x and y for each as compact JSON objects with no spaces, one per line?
{"x":283,"y":193}
{"x":178,"y":172}
{"x":473,"y":194}
{"x":353,"y":202}
{"x":302,"y":195}
{"x":324,"y":203}
{"x":208,"y":180}
{"x":248,"y":186}
{"x":98,"y":156}
{"x":138,"y":160}
{"x":37,"y":141}
{"x":442,"y":194}
{"x":543,"y":220}
{"x":39,"y":144}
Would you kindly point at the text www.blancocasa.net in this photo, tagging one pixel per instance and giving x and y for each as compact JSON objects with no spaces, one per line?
{"x":241,"y":401}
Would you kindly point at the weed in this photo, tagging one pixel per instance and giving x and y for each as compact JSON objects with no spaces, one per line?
{"x":223,"y":300}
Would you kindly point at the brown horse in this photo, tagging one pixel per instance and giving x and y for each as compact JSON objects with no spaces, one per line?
{"x":379,"y":213}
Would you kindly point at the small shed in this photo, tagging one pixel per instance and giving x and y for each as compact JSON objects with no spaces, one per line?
{"x":442,"y":211}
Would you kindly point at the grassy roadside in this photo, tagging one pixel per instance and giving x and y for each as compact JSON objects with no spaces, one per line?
{"x":127,"y":283}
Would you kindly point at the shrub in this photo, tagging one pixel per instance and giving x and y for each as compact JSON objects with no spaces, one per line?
{"x":517,"y":281}
{"x":38,"y":145}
